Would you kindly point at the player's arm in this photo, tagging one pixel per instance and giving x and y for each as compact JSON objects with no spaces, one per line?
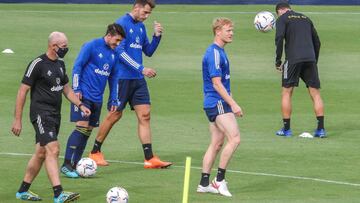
{"x":316,"y":42}
{"x":19,"y":106}
{"x":279,"y":41}
{"x":125,"y":58}
{"x":31,"y":75}
{"x":114,"y":89}
{"x":80,"y":62}
{"x":220,"y":89}
{"x":213,"y":60}
{"x":149,"y":48}
{"x":70,"y":95}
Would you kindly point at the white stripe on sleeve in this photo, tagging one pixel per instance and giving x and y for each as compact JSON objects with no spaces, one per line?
{"x":76,"y":81}
{"x":130,"y":60}
{"x":217,"y":58}
{"x":31,"y":67}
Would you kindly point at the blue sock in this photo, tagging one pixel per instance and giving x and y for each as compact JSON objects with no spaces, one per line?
{"x":80,"y":150}
{"x":75,"y":141}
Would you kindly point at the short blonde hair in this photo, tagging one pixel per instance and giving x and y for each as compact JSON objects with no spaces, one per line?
{"x":218,"y":23}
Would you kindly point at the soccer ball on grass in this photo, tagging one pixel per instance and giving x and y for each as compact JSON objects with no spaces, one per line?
{"x":86,"y":167}
{"x":117,"y":195}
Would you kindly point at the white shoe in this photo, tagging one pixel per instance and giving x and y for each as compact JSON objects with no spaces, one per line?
{"x":207,"y":189}
{"x":221,"y":187}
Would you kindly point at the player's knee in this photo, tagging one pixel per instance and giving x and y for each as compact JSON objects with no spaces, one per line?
{"x":287,"y":91}
{"x":235,"y":139}
{"x":114,"y":116}
{"x":144,"y":117}
{"x":218,"y":146}
{"x":53,"y":151}
{"x":40,"y":154}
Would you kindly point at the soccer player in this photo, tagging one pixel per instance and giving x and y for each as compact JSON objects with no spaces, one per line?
{"x":132,"y":85}
{"x":93,"y":67}
{"x":220,"y":108}
{"x":46,"y":77}
{"x":302,"y":46}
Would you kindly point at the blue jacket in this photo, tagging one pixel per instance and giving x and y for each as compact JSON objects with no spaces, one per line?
{"x":94,"y":66}
{"x":130,"y":50}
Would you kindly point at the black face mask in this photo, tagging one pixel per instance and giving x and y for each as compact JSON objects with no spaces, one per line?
{"x":61,"y":52}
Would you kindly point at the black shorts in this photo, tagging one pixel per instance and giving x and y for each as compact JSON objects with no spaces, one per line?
{"x":134,"y":91}
{"x":307,"y":71}
{"x":46,"y":128}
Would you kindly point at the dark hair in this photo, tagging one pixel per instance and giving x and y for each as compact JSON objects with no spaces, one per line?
{"x":281,"y":5}
{"x":115,"y":29}
{"x":144,"y":2}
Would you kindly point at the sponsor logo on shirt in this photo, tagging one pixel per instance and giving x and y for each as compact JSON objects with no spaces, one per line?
{"x":102,"y":72}
{"x":137,"y":44}
{"x":57,"y":88}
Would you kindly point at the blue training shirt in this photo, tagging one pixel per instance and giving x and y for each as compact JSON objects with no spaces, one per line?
{"x":94,"y":66}
{"x":215,"y":64}
{"x":130,"y":49}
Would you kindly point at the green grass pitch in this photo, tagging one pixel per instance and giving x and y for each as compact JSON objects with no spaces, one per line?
{"x":265,"y":168}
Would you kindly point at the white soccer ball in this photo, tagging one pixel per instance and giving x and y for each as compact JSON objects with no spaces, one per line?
{"x":86,"y":167}
{"x":117,"y":195}
{"x":264,"y":21}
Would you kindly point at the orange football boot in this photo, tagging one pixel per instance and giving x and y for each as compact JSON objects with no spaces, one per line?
{"x":98,"y":157}
{"x":155,"y":162}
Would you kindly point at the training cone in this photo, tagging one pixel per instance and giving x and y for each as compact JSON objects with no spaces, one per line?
{"x":8,"y":51}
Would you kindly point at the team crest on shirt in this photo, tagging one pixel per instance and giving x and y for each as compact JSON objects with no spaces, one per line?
{"x":112,"y":56}
{"x":100,"y":55}
{"x":131,"y":30}
{"x":58,"y":81}
{"x":137,"y":40}
{"x":51,"y":134}
{"x":61,"y":70}
{"x":49,"y":73}
{"x":141,"y":30}
{"x":106,"y":66}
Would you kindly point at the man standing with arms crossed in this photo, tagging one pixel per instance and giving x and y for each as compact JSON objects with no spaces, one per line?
{"x":220,"y":108}
{"x":94,"y":66}
{"x":47,"y":79}
{"x":132,"y":85}
{"x":302,"y":47}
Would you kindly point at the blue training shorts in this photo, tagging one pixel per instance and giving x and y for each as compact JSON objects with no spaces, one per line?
{"x":134,"y":91}
{"x":77,"y":115}
{"x":220,"y":108}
